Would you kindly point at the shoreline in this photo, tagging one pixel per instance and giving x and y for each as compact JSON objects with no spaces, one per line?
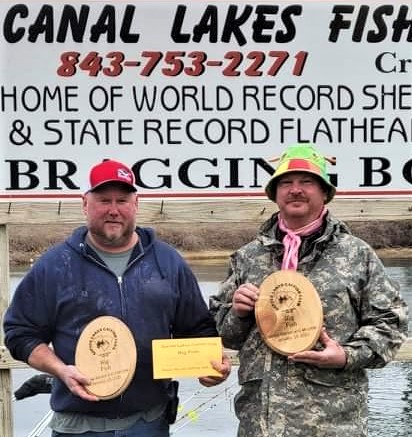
{"x":221,"y":257}
{"x":216,"y":255}
{"x":401,"y":252}
{"x":200,"y":242}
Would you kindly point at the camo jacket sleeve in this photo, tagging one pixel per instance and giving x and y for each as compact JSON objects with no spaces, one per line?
{"x":362,"y":306}
{"x":382,"y":313}
{"x":250,"y":263}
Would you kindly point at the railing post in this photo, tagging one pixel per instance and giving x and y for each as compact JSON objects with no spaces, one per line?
{"x":6,"y":413}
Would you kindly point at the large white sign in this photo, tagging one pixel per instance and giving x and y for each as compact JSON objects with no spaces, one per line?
{"x":198,"y":96}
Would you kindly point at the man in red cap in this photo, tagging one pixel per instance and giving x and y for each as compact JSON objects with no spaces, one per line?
{"x":109,"y":267}
{"x":321,"y":392}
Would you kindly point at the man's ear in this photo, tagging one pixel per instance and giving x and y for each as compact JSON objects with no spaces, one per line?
{"x":84,"y":201}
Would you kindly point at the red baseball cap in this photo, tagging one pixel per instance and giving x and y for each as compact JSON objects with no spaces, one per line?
{"x":111,"y":171}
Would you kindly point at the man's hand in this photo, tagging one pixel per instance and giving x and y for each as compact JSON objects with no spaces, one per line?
{"x":223,"y":368}
{"x":77,"y":383}
{"x":332,"y":356}
{"x":244,"y":299}
{"x":44,"y":359}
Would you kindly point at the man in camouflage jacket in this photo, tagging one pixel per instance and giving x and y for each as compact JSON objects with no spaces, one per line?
{"x":322,"y":392}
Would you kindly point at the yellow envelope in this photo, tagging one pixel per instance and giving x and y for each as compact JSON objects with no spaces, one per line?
{"x":184,"y":357}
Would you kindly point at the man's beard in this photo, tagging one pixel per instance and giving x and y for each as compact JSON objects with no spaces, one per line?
{"x":113,"y":239}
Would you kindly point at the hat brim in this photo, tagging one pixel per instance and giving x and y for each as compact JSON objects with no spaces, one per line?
{"x":127,"y":186}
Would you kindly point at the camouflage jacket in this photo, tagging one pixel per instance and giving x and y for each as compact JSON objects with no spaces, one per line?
{"x":363,"y":311}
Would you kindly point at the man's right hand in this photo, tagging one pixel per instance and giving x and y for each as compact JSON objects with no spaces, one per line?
{"x":77,"y":383}
{"x":244,"y":299}
{"x":44,"y":359}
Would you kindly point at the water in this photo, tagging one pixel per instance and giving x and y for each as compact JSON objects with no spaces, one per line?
{"x":208,"y":412}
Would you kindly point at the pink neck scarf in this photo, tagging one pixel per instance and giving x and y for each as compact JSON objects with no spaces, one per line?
{"x":292,"y":240}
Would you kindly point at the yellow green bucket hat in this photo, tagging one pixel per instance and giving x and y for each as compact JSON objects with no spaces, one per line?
{"x":302,"y":157}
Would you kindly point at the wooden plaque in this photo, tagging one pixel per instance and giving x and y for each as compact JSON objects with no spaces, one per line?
{"x":288,"y":312}
{"x":106,"y":353}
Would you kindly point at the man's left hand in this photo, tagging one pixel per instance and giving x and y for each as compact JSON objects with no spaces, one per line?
{"x":223,"y":368}
{"x":332,"y":356}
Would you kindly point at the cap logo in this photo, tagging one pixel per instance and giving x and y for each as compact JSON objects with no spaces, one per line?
{"x":124,"y":174}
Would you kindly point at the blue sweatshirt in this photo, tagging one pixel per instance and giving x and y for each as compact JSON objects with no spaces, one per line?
{"x":157,"y":297}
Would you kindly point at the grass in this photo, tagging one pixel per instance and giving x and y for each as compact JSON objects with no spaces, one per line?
{"x":28,"y":242}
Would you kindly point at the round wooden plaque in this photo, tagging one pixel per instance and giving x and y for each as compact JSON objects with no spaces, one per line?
{"x":288,"y":312}
{"x":106,"y":353}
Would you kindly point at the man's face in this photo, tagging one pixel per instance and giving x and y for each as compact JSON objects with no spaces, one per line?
{"x":111,"y":216}
{"x":300,"y":197}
